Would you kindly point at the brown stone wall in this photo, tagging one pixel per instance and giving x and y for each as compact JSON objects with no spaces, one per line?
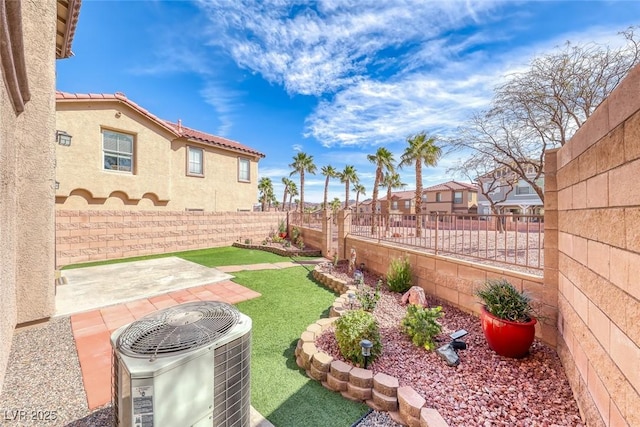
{"x":83,"y":236}
{"x":455,"y":280}
{"x":597,"y":214}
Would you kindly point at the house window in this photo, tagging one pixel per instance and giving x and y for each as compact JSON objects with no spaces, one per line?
{"x":394,"y":204}
{"x":407,"y":204}
{"x":117,"y":151}
{"x":523,"y":189}
{"x":438,"y":197}
{"x":195,"y":161}
{"x":244,"y":174}
{"x":424,"y":197}
{"x":457,"y":197}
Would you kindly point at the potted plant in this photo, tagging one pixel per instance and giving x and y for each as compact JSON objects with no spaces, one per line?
{"x":507,"y":318}
{"x":282,"y":229}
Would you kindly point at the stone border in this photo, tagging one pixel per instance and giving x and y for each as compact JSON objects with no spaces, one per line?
{"x":280,"y":251}
{"x":380,"y":391}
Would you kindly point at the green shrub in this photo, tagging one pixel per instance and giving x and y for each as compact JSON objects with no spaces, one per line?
{"x":504,"y":301}
{"x":368,"y":296}
{"x":399,"y":275}
{"x":421,"y":324}
{"x":353,"y":327}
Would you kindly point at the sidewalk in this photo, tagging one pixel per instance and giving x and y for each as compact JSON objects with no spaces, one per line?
{"x":92,"y":329}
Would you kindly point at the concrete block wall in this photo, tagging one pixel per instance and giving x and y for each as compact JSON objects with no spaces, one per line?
{"x":594,"y":199}
{"x":90,"y":235}
{"x":455,"y":281}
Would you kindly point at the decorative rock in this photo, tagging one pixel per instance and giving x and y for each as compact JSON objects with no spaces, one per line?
{"x":448,"y":354}
{"x":316,"y":374}
{"x":410,"y":402}
{"x":430,"y":417}
{"x":415,"y":295}
{"x":383,"y":402}
{"x":357,"y":393}
{"x":340,"y":370}
{"x":385,"y":384}
{"x":335,"y":384}
{"x":361,"y":377}
{"x":325,"y":322}
{"x":308,"y":336}
{"x":314,"y":328}
{"x":321,"y":361}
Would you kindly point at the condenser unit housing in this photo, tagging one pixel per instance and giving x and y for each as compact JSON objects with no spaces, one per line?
{"x":187,"y":365}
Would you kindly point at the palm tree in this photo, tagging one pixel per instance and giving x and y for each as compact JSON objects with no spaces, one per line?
{"x":359,"y":189}
{"x":293,"y":192}
{"x":421,"y":149}
{"x":348,"y":175}
{"x":383,"y":159}
{"x":287,"y":185}
{"x":302,"y":162}
{"x":391,"y":180}
{"x":265,"y":187}
{"x":330,"y":172}
{"x":335,"y":205}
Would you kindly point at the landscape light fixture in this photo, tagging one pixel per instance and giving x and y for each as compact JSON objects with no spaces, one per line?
{"x":352,"y":298}
{"x":63,"y":138}
{"x":366,"y":346}
{"x":358,"y":276}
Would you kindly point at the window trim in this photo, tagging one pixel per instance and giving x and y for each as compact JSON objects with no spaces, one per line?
{"x":240,"y":160}
{"x":461,"y":199}
{"x":438,"y":197}
{"x":188,"y":161}
{"x":133,"y":150}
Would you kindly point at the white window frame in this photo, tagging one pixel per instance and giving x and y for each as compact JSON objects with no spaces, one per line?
{"x":438,"y":197}
{"x":242,"y":160}
{"x":520,"y":188}
{"x":191,"y":149}
{"x":407,"y":204}
{"x":120,"y":155}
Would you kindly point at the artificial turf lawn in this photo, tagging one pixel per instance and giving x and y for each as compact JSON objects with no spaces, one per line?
{"x":212,"y":257}
{"x":280,"y":390}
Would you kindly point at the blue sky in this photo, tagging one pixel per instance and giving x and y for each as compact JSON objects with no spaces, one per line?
{"x":333,"y":78}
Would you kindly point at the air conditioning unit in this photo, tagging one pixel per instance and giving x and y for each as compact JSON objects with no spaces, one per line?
{"x":187,"y":365}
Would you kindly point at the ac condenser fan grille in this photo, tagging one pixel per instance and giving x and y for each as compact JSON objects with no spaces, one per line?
{"x":178,"y":329}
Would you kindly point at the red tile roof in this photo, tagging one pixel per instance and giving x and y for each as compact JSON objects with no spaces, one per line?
{"x":215,"y":140}
{"x":177,"y":129}
{"x":452,"y":185}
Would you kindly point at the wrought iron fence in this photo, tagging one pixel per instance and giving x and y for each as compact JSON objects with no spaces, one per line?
{"x":307,"y":219}
{"x":510,"y":239}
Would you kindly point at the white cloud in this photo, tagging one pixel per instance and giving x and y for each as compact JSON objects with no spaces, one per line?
{"x":325,"y":46}
{"x":224,"y":102}
{"x":297,"y":147}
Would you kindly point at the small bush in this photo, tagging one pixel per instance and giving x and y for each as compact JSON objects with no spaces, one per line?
{"x":353,"y":327}
{"x":247,"y":241}
{"x":421,"y":324}
{"x":368,"y":296}
{"x":399,"y":275}
{"x":504,"y":301}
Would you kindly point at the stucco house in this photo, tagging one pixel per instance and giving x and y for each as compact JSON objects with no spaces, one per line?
{"x":34,"y":34}
{"x":450,"y":197}
{"x":113,"y":154}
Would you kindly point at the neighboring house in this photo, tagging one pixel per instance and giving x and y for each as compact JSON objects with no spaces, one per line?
{"x":34,"y":34}
{"x":402,"y":203}
{"x":450,"y":197}
{"x":122,"y":157}
{"x":521,"y":200}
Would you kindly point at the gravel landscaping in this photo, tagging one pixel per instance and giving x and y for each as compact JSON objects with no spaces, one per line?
{"x":484,"y":389}
{"x":43,"y":379}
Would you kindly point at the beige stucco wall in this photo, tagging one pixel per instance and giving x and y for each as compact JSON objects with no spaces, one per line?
{"x":159,"y":181}
{"x":27,"y":175}
{"x":595,"y":201}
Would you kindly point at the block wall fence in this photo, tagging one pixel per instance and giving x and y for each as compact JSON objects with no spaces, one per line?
{"x":593,"y":199}
{"x":83,"y":236}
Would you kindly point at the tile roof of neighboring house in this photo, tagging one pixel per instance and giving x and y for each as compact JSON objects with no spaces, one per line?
{"x":452,"y":185}
{"x":176,"y":129}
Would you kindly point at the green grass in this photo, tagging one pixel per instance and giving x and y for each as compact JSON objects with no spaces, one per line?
{"x":212,"y":257}
{"x":281,"y":391}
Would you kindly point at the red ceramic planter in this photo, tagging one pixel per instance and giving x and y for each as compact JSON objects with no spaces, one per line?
{"x":509,"y":339}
